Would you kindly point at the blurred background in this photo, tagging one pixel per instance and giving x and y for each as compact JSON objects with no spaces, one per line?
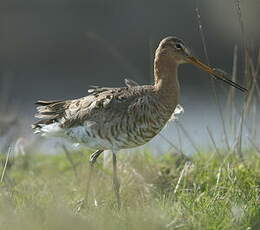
{"x":56,"y":49}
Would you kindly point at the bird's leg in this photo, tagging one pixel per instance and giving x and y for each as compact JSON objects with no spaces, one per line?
{"x":116,"y":183}
{"x":92,"y":159}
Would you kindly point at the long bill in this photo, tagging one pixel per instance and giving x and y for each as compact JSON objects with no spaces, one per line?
{"x":216,"y":73}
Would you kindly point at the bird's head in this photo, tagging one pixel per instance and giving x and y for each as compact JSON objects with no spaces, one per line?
{"x":175,"y":49}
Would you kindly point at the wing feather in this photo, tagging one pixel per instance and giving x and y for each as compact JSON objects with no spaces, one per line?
{"x":102,"y":102}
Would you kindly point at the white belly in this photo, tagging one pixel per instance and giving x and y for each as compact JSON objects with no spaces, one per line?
{"x":84,"y":135}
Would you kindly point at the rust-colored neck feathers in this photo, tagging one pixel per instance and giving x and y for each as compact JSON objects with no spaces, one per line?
{"x":165,"y":77}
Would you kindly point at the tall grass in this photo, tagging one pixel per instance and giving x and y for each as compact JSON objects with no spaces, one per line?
{"x":238,"y":123}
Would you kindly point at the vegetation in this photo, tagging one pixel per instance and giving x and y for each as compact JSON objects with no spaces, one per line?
{"x":214,"y":191}
{"x":206,"y":191}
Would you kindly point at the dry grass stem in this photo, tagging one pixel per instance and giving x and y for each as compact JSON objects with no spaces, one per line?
{"x":203,"y":39}
{"x":213,"y":141}
{"x":5,"y":165}
{"x":186,"y":166}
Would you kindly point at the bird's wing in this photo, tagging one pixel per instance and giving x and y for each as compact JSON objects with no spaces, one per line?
{"x":101,"y":103}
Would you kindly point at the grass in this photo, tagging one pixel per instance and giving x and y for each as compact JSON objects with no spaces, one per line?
{"x":206,"y":191}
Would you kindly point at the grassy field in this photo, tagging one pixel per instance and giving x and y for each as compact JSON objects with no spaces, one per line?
{"x":206,"y":191}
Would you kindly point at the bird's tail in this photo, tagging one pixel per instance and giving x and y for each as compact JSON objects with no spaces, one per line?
{"x":49,"y":112}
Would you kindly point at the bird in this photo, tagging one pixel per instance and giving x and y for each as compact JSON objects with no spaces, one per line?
{"x":123,"y":117}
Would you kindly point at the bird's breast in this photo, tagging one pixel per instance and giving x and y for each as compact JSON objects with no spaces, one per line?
{"x":133,"y":129}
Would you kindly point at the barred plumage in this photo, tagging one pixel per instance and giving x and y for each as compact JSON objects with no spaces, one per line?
{"x":109,"y":118}
{"x":126,"y":117}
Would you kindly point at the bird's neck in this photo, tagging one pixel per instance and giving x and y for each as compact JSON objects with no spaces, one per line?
{"x":165,"y":78}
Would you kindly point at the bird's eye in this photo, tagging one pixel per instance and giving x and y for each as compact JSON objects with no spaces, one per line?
{"x":178,"y":46}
